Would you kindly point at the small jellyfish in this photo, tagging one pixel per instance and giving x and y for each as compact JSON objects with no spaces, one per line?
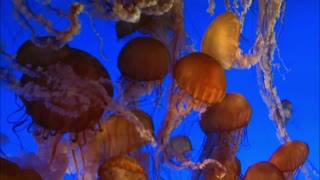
{"x":224,"y":124}
{"x":287,"y":109}
{"x":290,"y":156}
{"x":263,"y":171}
{"x":177,"y":149}
{"x":232,"y":165}
{"x":143,"y":63}
{"x":122,"y":167}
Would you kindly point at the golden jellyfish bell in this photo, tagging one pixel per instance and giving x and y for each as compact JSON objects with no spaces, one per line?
{"x":201,"y":76}
{"x":232,"y":165}
{"x":122,"y":136}
{"x":290,"y":156}
{"x":122,"y":167}
{"x":221,"y":39}
{"x":234,"y":112}
{"x":144,"y":59}
{"x":84,"y":67}
{"x":263,"y":171}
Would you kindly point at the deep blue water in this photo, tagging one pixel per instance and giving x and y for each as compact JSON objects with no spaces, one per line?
{"x":298,"y":43}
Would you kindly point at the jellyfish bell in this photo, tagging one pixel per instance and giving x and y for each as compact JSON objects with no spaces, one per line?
{"x":122,"y":167}
{"x":221,"y":39}
{"x":143,"y":63}
{"x":225,"y":124}
{"x":121,"y":136}
{"x":234,"y":112}
{"x":201,"y":76}
{"x":290,"y":156}
{"x":201,"y":81}
{"x":57,"y":100}
{"x":263,"y":171}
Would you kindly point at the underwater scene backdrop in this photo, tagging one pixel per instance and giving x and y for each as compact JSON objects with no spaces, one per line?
{"x":274,"y":68}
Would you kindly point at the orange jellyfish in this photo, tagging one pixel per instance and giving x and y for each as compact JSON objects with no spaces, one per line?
{"x":201,"y":81}
{"x":143,"y":63}
{"x":122,"y":167}
{"x":118,"y":136}
{"x":232,"y":165}
{"x":224,"y":124}
{"x":221,"y":41}
{"x":263,"y":171}
{"x":121,"y":135}
{"x":290,"y":156}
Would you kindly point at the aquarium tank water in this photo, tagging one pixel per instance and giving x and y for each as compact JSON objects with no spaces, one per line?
{"x":159,"y":89}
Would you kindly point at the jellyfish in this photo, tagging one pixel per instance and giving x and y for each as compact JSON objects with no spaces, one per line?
{"x":121,"y":135}
{"x":61,"y":91}
{"x":201,"y":81}
{"x":59,"y":95}
{"x":224,"y":124}
{"x":263,"y":171}
{"x":167,"y":27}
{"x":143,"y":63}
{"x":176,"y":150}
{"x":290,"y":156}
{"x":122,"y":167}
{"x":118,"y":136}
{"x":221,"y":41}
{"x":287,"y":109}
{"x":233,"y":170}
